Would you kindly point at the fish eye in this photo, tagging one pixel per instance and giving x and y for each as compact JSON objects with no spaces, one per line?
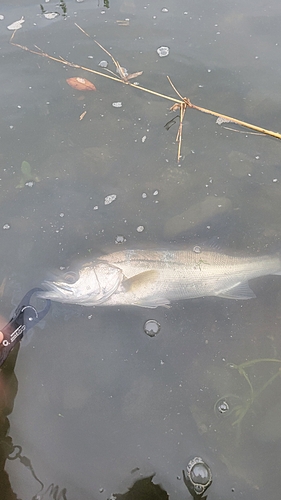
{"x":70,"y":277}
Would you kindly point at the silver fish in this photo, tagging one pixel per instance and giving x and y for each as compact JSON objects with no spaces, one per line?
{"x":155,"y":278}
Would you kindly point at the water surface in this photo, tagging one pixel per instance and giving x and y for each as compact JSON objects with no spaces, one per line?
{"x":97,"y":398}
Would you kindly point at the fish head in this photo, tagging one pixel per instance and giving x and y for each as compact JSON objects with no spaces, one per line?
{"x":90,"y":285}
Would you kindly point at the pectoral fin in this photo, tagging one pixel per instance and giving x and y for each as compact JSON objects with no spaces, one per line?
{"x":242,"y":291}
{"x":134,"y":283}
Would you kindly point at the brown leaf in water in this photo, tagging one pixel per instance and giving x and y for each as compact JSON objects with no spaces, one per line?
{"x":78,"y":83}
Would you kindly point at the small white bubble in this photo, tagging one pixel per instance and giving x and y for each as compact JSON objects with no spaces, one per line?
{"x":156,"y":192}
{"x":143,"y":139}
{"x":96,"y":207}
{"x":140,"y":229}
{"x":164,"y":10}
{"x":6,"y":226}
{"x":144,"y":195}
{"x":163,"y":51}
{"x":274,"y":180}
{"x":117,"y":104}
{"x":61,"y":214}
{"x":103,"y":64}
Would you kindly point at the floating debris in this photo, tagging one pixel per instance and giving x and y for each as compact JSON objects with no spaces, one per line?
{"x":82,"y":115}
{"x":78,"y":83}
{"x":109,"y":199}
{"x":120,"y":239}
{"x":123,"y":22}
{"x":221,"y":120}
{"x":163,"y":51}
{"x":50,"y":15}
{"x":16,"y":25}
{"x":117,"y":104}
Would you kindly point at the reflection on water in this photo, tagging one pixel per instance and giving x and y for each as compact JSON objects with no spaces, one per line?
{"x":98,"y":396}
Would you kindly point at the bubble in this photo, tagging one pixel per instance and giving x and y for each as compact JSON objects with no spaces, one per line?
{"x":103,"y":64}
{"x":117,"y":104}
{"x":222,"y":406}
{"x":151,"y":327}
{"x":163,"y":51}
{"x":198,"y":476}
{"x":164,"y":10}
{"x":197,"y":249}
{"x":140,"y":229}
{"x":6,"y":226}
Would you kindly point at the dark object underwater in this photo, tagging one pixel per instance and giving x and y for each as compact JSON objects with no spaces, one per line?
{"x":23,"y":318}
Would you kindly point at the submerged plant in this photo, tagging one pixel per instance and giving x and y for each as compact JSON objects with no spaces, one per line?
{"x":241,"y":409}
{"x":27,"y":175}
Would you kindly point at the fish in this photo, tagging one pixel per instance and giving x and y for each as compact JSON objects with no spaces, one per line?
{"x":153,"y":278}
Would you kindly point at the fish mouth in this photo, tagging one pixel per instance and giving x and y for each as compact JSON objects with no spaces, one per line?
{"x":56,"y":291}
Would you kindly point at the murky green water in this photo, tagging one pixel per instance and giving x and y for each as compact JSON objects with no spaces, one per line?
{"x":97,"y":398}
